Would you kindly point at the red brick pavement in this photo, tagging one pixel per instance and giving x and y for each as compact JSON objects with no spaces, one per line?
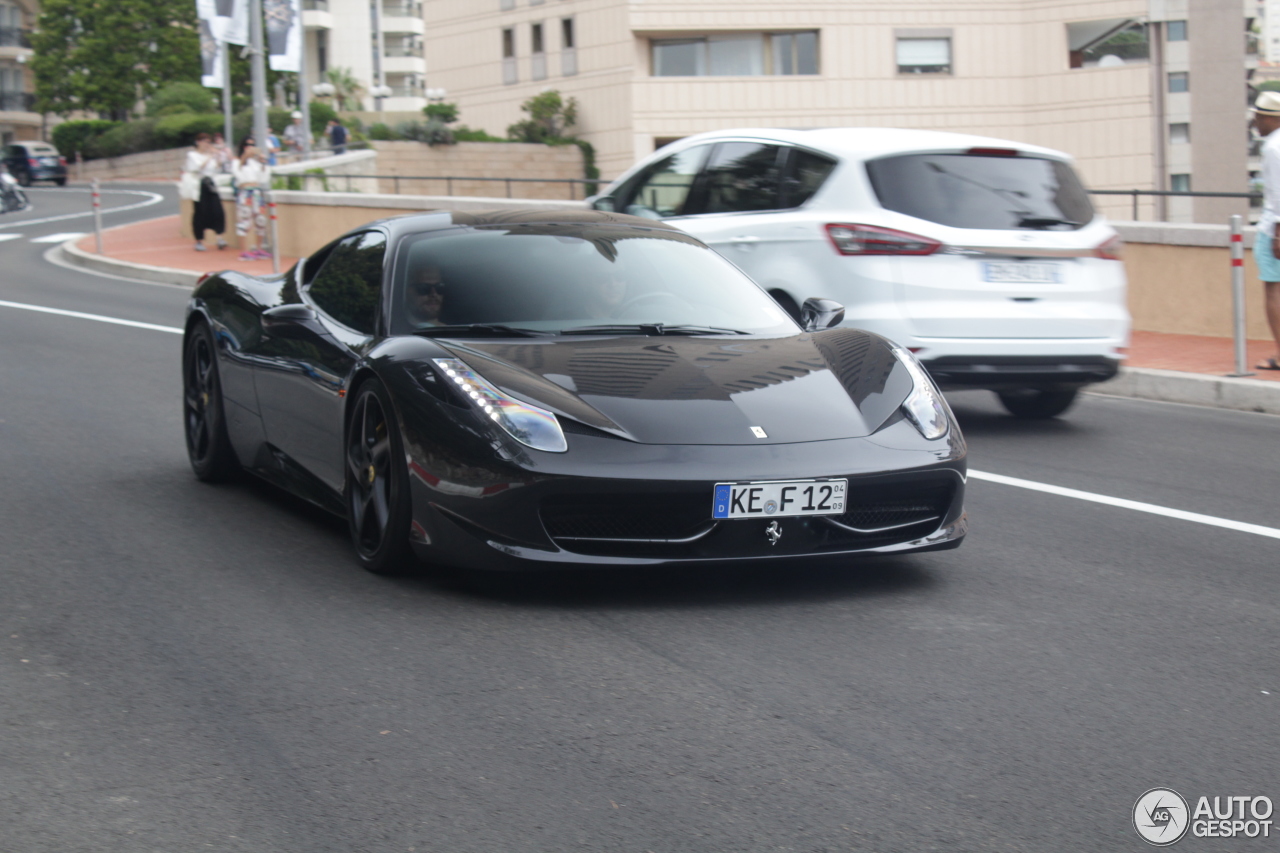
{"x":157,"y":242}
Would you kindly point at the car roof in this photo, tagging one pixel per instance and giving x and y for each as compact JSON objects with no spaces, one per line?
{"x":438,"y":220}
{"x":865,"y":143}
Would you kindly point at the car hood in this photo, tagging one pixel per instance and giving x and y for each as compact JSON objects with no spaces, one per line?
{"x":841,"y":383}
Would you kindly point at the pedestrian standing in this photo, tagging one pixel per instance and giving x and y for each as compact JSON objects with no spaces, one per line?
{"x":252,"y":176}
{"x":337,"y":136}
{"x":295,"y":135}
{"x":196,"y":183}
{"x":1266,"y":244}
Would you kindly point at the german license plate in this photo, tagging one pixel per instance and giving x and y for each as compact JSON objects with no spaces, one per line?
{"x":1021,"y":273}
{"x":777,"y":498}
{"x":49,"y":161}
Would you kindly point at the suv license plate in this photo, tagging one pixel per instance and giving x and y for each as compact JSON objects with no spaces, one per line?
{"x":1021,"y":273}
{"x":778,"y":498}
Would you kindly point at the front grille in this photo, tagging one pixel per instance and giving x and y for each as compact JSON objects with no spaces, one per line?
{"x":896,"y":512}
{"x":637,"y":517}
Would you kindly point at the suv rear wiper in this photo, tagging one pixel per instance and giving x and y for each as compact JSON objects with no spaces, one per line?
{"x":1045,"y":222}
{"x":493,"y":329}
{"x":650,"y":329}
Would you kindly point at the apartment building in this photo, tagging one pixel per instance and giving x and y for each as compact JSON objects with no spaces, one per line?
{"x":18,"y":120}
{"x":1147,"y":94}
{"x":380,"y":42}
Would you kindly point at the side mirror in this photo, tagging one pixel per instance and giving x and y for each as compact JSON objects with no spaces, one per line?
{"x":818,"y":314}
{"x":293,"y":320}
{"x":602,"y":202}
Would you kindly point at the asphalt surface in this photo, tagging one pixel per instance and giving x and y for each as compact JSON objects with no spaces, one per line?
{"x":189,"y":667}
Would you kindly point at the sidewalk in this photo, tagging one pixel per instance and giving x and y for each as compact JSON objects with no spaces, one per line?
{"x":157,"y":244}
{"x":1175,"y":368}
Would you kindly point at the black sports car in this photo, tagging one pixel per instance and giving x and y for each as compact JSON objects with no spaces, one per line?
{"x":512,"y":390}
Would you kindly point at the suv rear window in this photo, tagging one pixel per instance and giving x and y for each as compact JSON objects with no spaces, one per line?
{"x":978,"y":191}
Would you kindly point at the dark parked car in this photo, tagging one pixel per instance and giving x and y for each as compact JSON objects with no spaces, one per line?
{"x":35,"y":161}
{"x":513,"y":390}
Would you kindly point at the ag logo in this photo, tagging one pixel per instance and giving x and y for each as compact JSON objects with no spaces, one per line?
{"x":1161,"y":817}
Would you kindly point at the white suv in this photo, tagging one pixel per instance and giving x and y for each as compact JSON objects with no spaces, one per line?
{"x":982,"y":256}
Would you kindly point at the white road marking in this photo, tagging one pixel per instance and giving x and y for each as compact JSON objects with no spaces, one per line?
{"x":1139,"y":506}
{"x":151,"y":198}
{"x":4,"y":237}
{"x":54,"y":256}
{"x":61,"y":237}
{"x":1092,"y":497}
{"x":97,"y":317}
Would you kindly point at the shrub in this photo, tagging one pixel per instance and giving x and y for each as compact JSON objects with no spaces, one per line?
{"x":466,"y":134}
{"x":128,"y":138}
{"x":177,"y":131}
{"x":447,"y":113}
{"x":381,"y":132}
{"x":321,"y":115}
{"x":177,"y":98}
{"x":71,"y":136}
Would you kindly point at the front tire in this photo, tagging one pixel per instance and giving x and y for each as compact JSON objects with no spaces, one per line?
{"x":203,"y":410}
{"x":376,"y":493}
{"x":25,"y":178}
{"x":1037,"y":403}
{"x":62,"y":182}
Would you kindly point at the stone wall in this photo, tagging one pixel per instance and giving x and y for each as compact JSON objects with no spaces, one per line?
{"x":147,"y":166}
{"x":480,"y":160}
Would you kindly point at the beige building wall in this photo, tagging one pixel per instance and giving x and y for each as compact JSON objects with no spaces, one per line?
{"x":1011,"y":76}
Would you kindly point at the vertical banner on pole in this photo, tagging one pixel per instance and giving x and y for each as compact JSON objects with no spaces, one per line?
{"x":284,"y":34}
{"x":213,"y":51}
{"x":233,"y":16}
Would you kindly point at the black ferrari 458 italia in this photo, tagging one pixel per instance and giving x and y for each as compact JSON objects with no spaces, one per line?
{"x":516,"y":390}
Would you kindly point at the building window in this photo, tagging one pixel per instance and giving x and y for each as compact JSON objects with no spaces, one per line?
{"x":568,"y":48}
{"x":1179,"y":81}
{"x":509,"y":73}
{"x":1176,"y":31}
{"x":506,"y":5}
{"x":1180,"y":183}
{"x":736,"y":55}
{"x":538,"y":61}
{"x":322,"y":51}
{"x":795,"y":53}
{"x":924,"y":56}
{"x":1179,"y":132}
{"x":1107,"y":44}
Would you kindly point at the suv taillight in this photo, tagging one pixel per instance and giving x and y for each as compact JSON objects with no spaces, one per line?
{"x":874,"y":240}
{"x":1110,"y":249}
{"x":62,"y":161}
{"x":31,"y":161}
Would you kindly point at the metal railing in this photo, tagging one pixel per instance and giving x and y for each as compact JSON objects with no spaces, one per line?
{"x":343,"y":182}
{"x":1136,"y":194}
{"x":403,"y":50}
{"x":402,"y":10}
{"x":14,"y":37}
{"x":315,"y":5}
{"x":23,"y":102}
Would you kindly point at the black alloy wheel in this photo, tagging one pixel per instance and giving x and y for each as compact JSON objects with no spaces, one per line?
{"x":377,"y":482}
{"x":62,"y":182}
{"x":203,"y":415}
{"x":24,"y":177}
{"x":1037,"y":403}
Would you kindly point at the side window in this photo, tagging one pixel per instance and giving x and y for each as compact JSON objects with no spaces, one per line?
{"x":742,"y":176}
{"x":663,"y":188}
{"x":349,"y":284}
{"x":806,"y":172}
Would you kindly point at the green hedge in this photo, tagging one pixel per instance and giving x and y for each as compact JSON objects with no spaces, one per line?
{"x":71,"y":136}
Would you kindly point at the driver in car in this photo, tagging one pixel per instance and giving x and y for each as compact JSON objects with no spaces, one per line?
{"x":424,"y":297}
{"x":604,"y":296}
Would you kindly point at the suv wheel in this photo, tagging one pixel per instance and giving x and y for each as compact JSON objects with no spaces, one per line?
{"x":1037,"y":403}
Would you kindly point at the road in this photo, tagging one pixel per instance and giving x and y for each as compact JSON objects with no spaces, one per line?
{"x":191,"y":667}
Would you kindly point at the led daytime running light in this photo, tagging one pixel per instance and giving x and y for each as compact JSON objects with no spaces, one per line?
{"x":524,"y":422}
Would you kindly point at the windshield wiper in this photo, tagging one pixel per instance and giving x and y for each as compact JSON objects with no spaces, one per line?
{"x":1045,"y":222}
{"x":650,"y":329}
{"x":492,"y":329}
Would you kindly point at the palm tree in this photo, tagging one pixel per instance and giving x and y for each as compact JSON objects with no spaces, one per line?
{"x":348,"y":93}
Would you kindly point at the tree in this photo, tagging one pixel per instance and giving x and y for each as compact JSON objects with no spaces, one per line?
{"x":105,"y":55}
{"x":176,"y":98}
{"x":446,"y":113}
{"x":550,"y":118}
{"x":348,"y":92}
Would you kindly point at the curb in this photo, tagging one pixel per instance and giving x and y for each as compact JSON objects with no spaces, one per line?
{"x":1196,"y":389}
{"x":125,"y":269}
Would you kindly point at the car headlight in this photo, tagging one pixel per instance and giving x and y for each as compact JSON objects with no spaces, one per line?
{"x":924,"y":406}
{"x":524,"y":422}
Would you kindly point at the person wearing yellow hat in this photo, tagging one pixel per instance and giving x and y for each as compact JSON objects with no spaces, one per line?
{"x":1266,"y":245}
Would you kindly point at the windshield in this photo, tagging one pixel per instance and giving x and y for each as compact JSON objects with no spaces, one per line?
{"x":556,"y":277}
{"x":974,"y":191}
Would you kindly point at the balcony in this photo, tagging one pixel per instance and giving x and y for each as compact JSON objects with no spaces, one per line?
{"x":14,"y":43}
{"x":404,"y":64}
{"x":402,"y":24}
{"x":319,"y":18}
{"x":17,"y":102}
{"x":401,"y":9}
{"x":403,"y":50}
{"x":315,"y":5}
